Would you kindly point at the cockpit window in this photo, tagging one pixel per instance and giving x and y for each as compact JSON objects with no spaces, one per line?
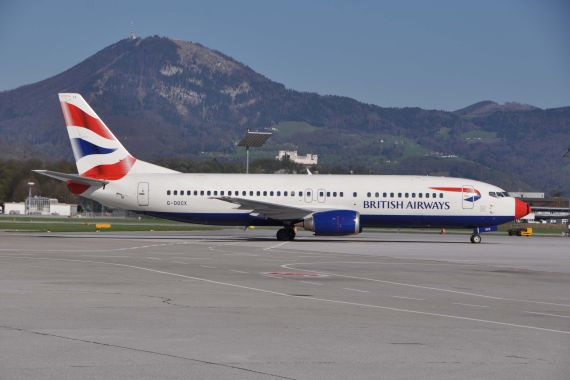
{"x":499,"y":194}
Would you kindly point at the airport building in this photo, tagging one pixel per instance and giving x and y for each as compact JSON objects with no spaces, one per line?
{"x":552,"y":210}
{"x":37,"y":205}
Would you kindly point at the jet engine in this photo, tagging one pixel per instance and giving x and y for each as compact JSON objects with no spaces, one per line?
{"x":333,"y":223}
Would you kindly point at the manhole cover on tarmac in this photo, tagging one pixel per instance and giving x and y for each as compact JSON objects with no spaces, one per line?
{"x":295,"y":274}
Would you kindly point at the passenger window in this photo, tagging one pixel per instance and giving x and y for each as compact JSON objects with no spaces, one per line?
{"x":377,"y":195}
{"x":334,"y":193}
{"x":391,"y":195}
{"x":399,"y":195}
{"x":368,"y":195}
{"x":441,"y":195}
{"x":328,"y":194}
{"x":175,"y":192}
{"x":300,"y":193}
{"x":271,"y":193}
{"x":321,"y":194}
{"x":167,"y":192}
{"x":413,"y":195}
{"x":384,"y":195}
{"x":354,"y":194}
{"x":434,"y":195}
{"x":420,"y":195}
{"x":195,"y":192}
{"x":201,"y":192}
{"x":341,"y":194}
{"x":406,"y":195}
{"x":258,"y":193}
{"x":222,"y":192}
{"x":181,"y":192}
{"x":243,"y":193}
{"x":284,"y":193}
{"x":427,"y":195}
{"x":265,"y":193}
{"x":215,"y":192}
{"x":209,"y":192}
{"x":292,"y":193}
{"x":308,"y":193}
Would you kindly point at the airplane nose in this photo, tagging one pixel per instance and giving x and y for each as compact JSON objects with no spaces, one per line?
{"x":521,"y":209}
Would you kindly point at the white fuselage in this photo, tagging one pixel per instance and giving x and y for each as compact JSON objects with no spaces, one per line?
{"x":381,"y":200}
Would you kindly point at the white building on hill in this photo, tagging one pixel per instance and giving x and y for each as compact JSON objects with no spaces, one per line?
{"x":308,"y":159}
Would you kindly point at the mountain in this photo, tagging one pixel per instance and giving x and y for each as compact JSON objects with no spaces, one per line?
{"x":166,"y":98}
{"x":488,"y":107}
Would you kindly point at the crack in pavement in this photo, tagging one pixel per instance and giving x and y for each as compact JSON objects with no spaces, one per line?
{"x":199,"y":361}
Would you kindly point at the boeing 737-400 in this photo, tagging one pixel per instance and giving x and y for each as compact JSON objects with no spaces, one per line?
{"x":325,"y":204}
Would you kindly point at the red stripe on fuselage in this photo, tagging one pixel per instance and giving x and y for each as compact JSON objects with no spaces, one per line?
{"x":457,"y":189}
{"x":74,"y":116}
{"x":112,"y":171}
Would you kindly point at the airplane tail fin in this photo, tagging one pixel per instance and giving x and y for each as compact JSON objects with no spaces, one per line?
{"x":98,"y":153}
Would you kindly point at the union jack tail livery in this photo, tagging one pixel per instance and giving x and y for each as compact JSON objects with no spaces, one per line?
{"x":98,"y":153}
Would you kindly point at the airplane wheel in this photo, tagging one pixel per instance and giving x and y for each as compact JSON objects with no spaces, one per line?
{"x":475,"y":239}
{"x":285,"y":234}
{"x":292,"y":234}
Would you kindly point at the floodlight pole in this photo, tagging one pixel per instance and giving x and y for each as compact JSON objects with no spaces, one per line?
{"x":246,"y":159}
{"x":29,"y":200}
{"x":253,"y":139}
{"x":567,"y":155}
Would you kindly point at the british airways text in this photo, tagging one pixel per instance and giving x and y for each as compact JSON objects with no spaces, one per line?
{"x":409,"y":205}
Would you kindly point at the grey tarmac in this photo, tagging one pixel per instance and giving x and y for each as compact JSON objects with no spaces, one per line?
{"x":232,"y":304}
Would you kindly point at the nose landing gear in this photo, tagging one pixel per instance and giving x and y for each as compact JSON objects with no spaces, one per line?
{"x":475,"y":238}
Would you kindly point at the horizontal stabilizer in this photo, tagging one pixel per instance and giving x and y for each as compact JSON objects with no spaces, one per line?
{"x":75,"y":178}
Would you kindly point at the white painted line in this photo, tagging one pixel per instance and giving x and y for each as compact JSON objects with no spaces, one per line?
{"x":207,"y":266}
{"x":266,"y":291}
{"x":468,"y":304}
{"x":408,"y":298}
{"x":292,"y":266}
{"x":238,"y":271}
{"x":547,"y":314}
{"x":311,"y":283}
{"x":357,"y":290}
{"x":154,"y":258}
{"x":178,"y":262}
{"x":276,"y":246}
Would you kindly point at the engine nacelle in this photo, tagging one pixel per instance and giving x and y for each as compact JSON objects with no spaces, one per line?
{"x":334,"y":222}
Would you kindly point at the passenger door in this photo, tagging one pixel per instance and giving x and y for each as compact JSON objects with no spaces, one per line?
{"x":142,"y":194}
{"x":468,"y":197}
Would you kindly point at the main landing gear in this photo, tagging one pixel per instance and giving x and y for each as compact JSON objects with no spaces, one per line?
{"x":475,"y":238}
{"x":286,"y":234}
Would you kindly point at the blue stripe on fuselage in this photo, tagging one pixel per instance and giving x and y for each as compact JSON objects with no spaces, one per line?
{"x":244,"y":219}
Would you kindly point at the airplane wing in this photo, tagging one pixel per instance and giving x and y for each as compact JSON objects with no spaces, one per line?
{"x":75,"y":178}
{"x":268,"y":210}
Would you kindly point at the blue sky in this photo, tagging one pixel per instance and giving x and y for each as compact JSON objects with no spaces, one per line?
{"x":431,"y":54}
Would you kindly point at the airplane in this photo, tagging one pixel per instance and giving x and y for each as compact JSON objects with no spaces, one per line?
{"x":329,"y":205}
